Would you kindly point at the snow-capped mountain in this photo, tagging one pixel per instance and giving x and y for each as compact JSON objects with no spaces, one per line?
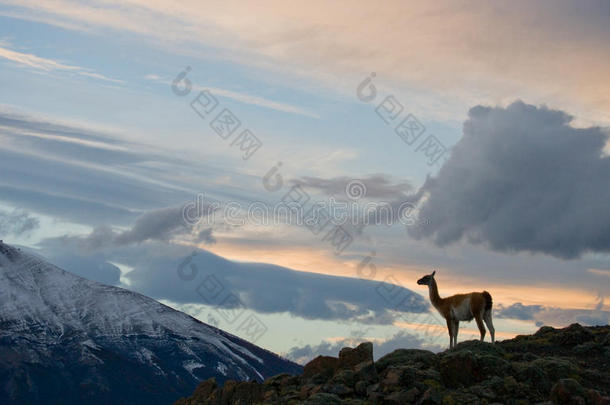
{"x":65,"y":339}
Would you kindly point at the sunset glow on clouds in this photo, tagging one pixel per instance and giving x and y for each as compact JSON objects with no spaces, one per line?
{"x":99,"y":155}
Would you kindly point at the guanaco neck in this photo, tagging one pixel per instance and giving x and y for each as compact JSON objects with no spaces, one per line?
{"x":435,"y":299}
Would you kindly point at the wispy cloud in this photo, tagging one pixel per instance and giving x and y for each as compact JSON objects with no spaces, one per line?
{"x":244,"y":98}
{"x":262,"y":102}
{"x":36,"y":62}
{"x":599,"y":272}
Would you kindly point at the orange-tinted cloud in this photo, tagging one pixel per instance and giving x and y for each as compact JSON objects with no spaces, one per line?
{"x":473,"y":52}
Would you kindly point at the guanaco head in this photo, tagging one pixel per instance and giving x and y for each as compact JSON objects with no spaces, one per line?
{"x":425,"y":280}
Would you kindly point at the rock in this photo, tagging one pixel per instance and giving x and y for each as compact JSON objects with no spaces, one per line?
{"x":277,"y":379}
{"x":338,"y":389}
{"x":410,"y":357}
{"x":372,"y":389}
{"x":322,"y":367}
{"x":556,"y":368}
{"x":544,"y":330}
{"x":605,"y":340}
{"x":535,"y":376}
{"x":483,"y":392}
{"x":568,"y":391}
{"x":206,"y":388}
{"x":465,"y":368}
{"x":246,"y":393}
{"x":593,"y":397}
{"x":573,"y":335}
{"x":392,"y":377}
{"x":360,"y":361}
{"x":323,"y":399}
{"x":460,"y":369}
{"x":402,"y":397}
{"x":476,"y":346}
{"x":588,"y":348}
{"x":360,"y":388}
{"x":350,"y":358}
{"x":456,"y":397}
{"x":430,"y":397}
{"x":549,"y":365}
{"x":346,"y":377}
{"x":510,"y":385}
{"x":308,"y":390}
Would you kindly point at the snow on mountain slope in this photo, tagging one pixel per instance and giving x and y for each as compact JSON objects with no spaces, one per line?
{"x":61,"y":334}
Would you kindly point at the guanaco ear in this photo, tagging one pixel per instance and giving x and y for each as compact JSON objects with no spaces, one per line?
{"x":433,"y":273}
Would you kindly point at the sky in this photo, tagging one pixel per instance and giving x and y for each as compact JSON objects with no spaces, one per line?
{"x":287,"y":171}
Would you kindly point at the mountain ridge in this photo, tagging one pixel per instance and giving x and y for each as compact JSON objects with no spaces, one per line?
{"x":65,"y":336}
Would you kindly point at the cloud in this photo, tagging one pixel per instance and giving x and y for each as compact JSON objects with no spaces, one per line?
{"x":381,"y":347}
{"x":17,"y":223}
{"x":169,"y":272}
{"x":243,"y":98}
{"x":93,"y":267}
{"x":377,"y":187}
{"x":48,"y":65}
{"x":156,"y":225}
{"x":379,"y":200}
{"x":555,"y":316}
{"x":522,"y":179}
{"x":599,"y":272}
{"x":205,"y":236}
{"x":260,"y":101}
{"x":78,"y":174}
{"x":483,"y":50}
{"x":518,"y":311}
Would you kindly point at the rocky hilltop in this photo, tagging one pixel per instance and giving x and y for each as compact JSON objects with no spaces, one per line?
{"x":552,"y":366}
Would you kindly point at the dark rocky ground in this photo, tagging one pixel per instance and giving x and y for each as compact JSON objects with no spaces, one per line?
{"x":552,"y":366}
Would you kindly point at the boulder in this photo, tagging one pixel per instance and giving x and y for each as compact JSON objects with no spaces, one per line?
{"x":206,"y":388}
{"x":568,"y":391}
{"x":350,"y":358}
{"x":573,"y":335}
{"x":323,"y":399}
{"x":464,"y":368}
{"x":321,"y":368}
{"x":410,"y":357}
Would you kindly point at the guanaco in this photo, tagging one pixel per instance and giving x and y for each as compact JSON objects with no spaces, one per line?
{"x":461,"y":307}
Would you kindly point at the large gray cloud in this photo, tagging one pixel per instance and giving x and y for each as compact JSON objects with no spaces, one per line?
{"x":521,"y":178}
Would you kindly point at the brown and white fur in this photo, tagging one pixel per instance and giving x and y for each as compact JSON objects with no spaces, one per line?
{"x":461,"y":307}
